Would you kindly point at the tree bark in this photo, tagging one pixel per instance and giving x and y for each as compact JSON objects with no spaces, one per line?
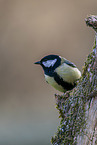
{"x":90,"y":132}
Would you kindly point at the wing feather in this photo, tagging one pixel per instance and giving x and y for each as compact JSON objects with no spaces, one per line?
{"x":68,"y":73}
{"x":63,"y":60}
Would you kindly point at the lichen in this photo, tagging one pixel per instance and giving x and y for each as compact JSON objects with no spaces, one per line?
{"x":71,"y":105}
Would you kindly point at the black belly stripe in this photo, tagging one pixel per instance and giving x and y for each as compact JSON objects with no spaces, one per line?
{"x":64,"y":84}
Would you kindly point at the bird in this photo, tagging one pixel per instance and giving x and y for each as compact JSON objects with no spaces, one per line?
{"x":59,"y":72}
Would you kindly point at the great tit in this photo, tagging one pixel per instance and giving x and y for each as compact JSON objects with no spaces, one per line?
{"x":59,"y":72}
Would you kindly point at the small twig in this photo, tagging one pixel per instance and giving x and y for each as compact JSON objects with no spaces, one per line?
{"x":92,"y":22}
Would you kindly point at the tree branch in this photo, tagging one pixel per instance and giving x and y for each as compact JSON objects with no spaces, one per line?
{"x":78,"y":108}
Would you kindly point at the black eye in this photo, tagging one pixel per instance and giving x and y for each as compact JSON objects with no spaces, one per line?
{"x":45,"y":59}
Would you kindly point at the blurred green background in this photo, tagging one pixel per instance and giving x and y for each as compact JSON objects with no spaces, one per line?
{"x":29,"y":30}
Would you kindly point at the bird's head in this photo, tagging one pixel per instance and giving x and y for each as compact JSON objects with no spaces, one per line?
{"x":49,"y":63}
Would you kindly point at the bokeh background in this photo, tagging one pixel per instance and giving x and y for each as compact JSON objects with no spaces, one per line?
{"x":29,"y":30}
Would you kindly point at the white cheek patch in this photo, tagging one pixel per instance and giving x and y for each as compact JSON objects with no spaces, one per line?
{"x":49,"y":63}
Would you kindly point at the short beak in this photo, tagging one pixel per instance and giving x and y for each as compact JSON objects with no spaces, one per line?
{"x":38,"y":62}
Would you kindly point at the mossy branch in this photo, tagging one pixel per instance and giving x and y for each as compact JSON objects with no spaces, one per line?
{"x":78,"y":108}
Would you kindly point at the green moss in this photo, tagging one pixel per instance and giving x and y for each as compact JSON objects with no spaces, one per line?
{"x":71,"y":106}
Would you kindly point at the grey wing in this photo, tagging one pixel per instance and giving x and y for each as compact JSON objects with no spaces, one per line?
{"x":69,"y":63}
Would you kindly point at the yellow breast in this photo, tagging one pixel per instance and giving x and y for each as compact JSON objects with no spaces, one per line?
{"x":53,"y":83}
{"x":68,"y":73}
